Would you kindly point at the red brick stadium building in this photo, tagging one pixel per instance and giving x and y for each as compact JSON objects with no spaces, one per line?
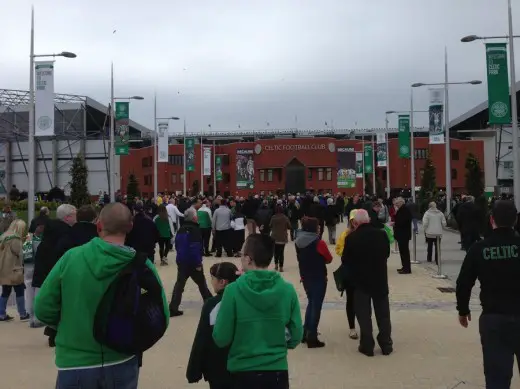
{"x":290,"y":165}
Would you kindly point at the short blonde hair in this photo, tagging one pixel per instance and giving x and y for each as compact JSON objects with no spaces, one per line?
{"x":399,"y":200}
{"x":433,"y":204}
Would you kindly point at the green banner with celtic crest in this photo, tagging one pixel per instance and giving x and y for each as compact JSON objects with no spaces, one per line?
{"x":498,"y":84}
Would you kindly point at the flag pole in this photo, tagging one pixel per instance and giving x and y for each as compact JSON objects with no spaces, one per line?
{"x":184,"y":161}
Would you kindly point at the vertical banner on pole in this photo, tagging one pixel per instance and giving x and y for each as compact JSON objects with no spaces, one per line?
{"x":359,"y":165}
{"x":44,"y":99}
{"x":498,"y":84}
{"x":122,"y":135}
{"x":190,"y":154}
{"x":381,"y":150}
{"x":436,"y":128}
{"x":245,"y":169}
{"x":162,"y":129}
{"x":207,"y":161}
{"x":404,"y":136}
{"x":346,"y":167}
{"x":218,"y":167}
{"x":369,"y":158}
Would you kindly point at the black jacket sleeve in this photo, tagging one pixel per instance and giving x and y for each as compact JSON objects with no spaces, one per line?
{"x":195,"y":368}
{"x":466,"y":280}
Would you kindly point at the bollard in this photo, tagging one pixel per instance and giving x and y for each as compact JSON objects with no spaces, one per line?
{"x":414,"y":260}
{"x":438,"y":251}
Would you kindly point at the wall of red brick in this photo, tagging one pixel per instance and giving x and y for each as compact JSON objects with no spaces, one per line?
{"x":312,"y":152}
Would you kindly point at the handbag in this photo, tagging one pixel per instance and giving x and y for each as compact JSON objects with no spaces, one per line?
{"x":340,"y":278}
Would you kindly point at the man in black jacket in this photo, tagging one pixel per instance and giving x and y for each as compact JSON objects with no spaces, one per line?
{"x":144,"y":234}
{"x":495,"y":262}
{"x":80,"y":233}
{"x":365,"y":259}
{"x":403,"y":234}
{"x":47,"y":254}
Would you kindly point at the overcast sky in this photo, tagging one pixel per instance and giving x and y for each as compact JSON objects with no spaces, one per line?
{"x":251,"y":62}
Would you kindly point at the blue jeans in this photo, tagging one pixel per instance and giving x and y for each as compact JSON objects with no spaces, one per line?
{"x":315,"y":290}
{"x":500,"y":338}
{"x":121,"y":376}
{"x":19,"y":290}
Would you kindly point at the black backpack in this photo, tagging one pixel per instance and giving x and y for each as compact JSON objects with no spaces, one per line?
{"x":130,"y":317}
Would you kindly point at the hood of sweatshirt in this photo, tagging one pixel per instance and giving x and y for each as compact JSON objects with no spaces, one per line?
{"x":305,"y":238}
{"x":104,"y":259}
{"x":261,"y":288}
{"x":434,"y":211}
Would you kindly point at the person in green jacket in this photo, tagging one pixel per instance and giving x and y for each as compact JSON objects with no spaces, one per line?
{"x":165,"y":233}
{"x":206,"y":359}
{"x":204,"y":218}
{"x":69,"y":298}
{"x":260,"y":319}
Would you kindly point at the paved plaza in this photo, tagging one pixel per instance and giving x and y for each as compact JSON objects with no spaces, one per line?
{"x":432,"y":351}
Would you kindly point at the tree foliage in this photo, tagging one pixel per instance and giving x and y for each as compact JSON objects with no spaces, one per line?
{"x":132,"y":188}
{"x":474,"y":176}
{"x":380,"y":190}
{"x":79,"y":194}
{"x":368,"y":184}
{"x":428,"y":190}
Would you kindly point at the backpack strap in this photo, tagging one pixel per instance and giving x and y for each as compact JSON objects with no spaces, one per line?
{"x":140,"y":259}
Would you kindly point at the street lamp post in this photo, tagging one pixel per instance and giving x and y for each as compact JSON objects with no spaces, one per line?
{"x":447,"y":123}
{"x":514,"y":108}
{"x":31,"y":151}
{"x":412,"y":147}
{"x":112,"y":157}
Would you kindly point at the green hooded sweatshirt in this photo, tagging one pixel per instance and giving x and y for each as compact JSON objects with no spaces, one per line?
{"x":69,"y":297}
{"x":260,"y":318}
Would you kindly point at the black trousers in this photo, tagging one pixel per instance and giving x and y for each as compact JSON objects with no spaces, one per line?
{"x":350,"y":307}
{"x":279,"y":256}
{"x":164,"y":247}
{"x":432,"y":242}
{"x":404,"y":252}
{"x":294,"y":228}
{"x":363,"y":306}
{"x":183,"y":273}
{"x":219,"y":386}
{"x":239,"y":237}
{"x":261,"y":380}
{"x":500,"y":339}
{"x":223,"y":241}
{"x":206,"y":236}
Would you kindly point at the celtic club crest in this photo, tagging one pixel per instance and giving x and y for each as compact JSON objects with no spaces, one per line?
{"x":404,"y":149}
{"x":44,"y":123}
{"x":499,"y":109}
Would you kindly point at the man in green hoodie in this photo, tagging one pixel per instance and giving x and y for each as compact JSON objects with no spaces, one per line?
{"x":260,"y":319}
{"x":68,"y":300}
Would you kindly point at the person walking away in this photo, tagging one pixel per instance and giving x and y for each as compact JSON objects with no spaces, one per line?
{"x":331,"y":220}
{"x":383,"y":215}
{"x":11,"y":269}
{"x":349,"y":285}
{"x":433,"y":224}
{"x":249,"y":210}
{"x":313,"y":256}
{"x":165,"y":233}
{"x":340,"y":205}
{"x":205,"y":219}
{"x":39,"y":220}
{"x":263,"y":218}
{"x":495,"y":262}
{"x":188,"y":244}
{"x":403,"y":234}
{"x":206,"y":359}
{"x":469,"y":222}
{"x":47,"y":254}
{"x":32,"y":243}
{"x":365,"y":255}
{"x":174,"y":214}
{"x":317,"y":211}
{"x":221,"y":226}
{"x":71,"y":295}
{"x":83,"y":231}
{"x":294,"y":215}
{"x":257,"y":300}
{"x":239,"y":231}
{"x":144,"y":234}
{"x":279,"y":225}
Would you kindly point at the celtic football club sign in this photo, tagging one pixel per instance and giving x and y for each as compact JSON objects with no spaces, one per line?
{"x":498,"y":84}
{"x":404,"y":136}
{"x":122,"y":135}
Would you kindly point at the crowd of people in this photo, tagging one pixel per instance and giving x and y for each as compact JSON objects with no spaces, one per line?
{"x":246,"y":328}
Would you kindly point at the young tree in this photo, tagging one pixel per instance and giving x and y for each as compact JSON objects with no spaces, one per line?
{"x":380,"y":191}
{"x":132,"y":188}
{"x":428,"y":190}
{"x":79,"y":185}
{"x":474,"y":176}
{"x":368,"y":185}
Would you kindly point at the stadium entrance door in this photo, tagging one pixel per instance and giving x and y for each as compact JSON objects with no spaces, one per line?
{"x":295,"y":177}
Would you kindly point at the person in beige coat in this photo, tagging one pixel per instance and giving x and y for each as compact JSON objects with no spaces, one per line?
{"x":11,"y":269}
{"x":280,"y":226}
{"x":434,"y":223}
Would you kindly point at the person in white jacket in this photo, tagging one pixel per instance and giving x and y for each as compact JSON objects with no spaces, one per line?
{"x":434,"y":223}
{"x":174,"y":215}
